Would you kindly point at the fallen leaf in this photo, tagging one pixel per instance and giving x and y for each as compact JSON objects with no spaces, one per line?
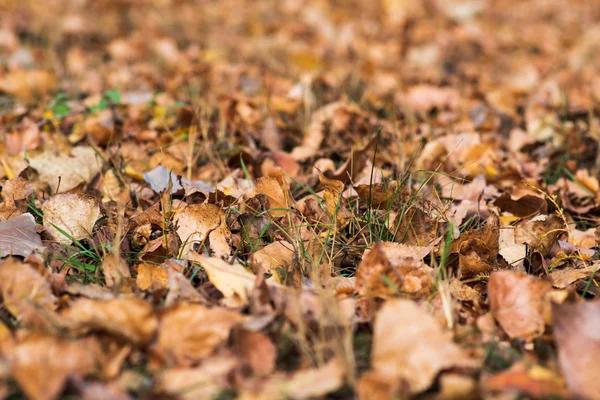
{"x":160,"y":179}
{"x":576,"y":333}
{"x":540,"y":232}
{"x":524,"y":206}
{"x":315,"y":382}
{"x":64,"y":172}
{"x":26,"y":83}
{"x":562,"y":278}
{"x":181,"y":289}
{"x":190,"y":332}
{"x":232,"y":280}
{"x":270,"y":136}
{"x":335,"y":204}
{"x":408,"y":344}
{"x":390,"y":270}
{"x":278,"y":254}
{"x":517,"y":301}
{"x":152,"y":277}
{"x":256,"y":349}
{"x":131,"y":318}
{"x":25,"y":138}
{"x":18,"y":237}
{"x":203,"y":382}
{"x":116,"y":272}
{"x":26,"y":294}
{"x":535,"y":381}
{"x":203,"y":224}
{"x":70,"y":217}
{"x":41,"y":365}
{"x":279,"y":200}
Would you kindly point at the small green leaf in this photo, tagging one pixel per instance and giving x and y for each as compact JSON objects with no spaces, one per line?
{"x":113,"y":96}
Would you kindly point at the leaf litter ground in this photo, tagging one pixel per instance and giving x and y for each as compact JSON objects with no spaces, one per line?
{"x":299,"y":199}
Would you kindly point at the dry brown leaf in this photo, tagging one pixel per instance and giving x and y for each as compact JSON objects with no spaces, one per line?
{"x":41,"y":365}
{"x":418,"y":228}
{"x":203,"y":224}
{"x":256,"y":349}
{"x":315,"y":382}
{"x":381,"y":195}
{"x":462,"y":292}
{"x":524,"y":206}
{"x":25,"y":138}
{"x":335,"y":204}
{"x":131,"y":318}
{"x":116,"y":272}
{"x":517,"y":301}
{"x":232,"y":280}
{"x":408,"y":344}
{"x":26,"y":294}
{"x":315,"y":132}
{"x":355,"y":163}
{"x":270,"y":136}
{"x":278,"y":254}
{"x":477,"y":250}
{"x":190,"y":332}
{"x":203,"y":382}
{"x":26,"y":83}
{"x":536,"y":381}
{"x":540,"y":232}
{"x":63,"y":172}
{"x":577,"y":336}
{"x":279,"y":199}
{"x":562,"y":278}
{"x":397,"y":252}
{"x":389,"y":271}
{"x":15,"y":193}
{"x":181,"y":289}
{"x":152,"y":277}
{"x":423,"y":98}
{"x":374,"y":386}
{"x":18,"y":237}
{"x":73,"y":214}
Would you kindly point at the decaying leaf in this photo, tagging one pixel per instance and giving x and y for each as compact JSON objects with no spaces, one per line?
{"x":15,"y":194}
{"x":540,"y":232}
{"x":69,"y":217}
{"x":257,"y":350}
{"x":315,"y":382}
{"x":202,"y":382}
{"x":576,"y":333}
{"x":131,"y":318}
{"x":409,"y":345}
{"x":26,"y":294}
{"x":275,"y":255}
{"x":381,"y":195}
{"x":18,"y":236}
{"x":517,"y":302}
{"x":535,"y":381}
{"x":279,"y":200}
{"x":232,"y":280}
{"x":160,"y":179}
{"x":63,"y":172}
{"x":41,"y":365}
{"x":477,"y":250}
{"x":191,"y":332}
{"x":152,"y":277}
{"x":335,"y":204}
{"x":389,"y":270}
{"x":200,"y":225}
{"x":116,"y":272}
